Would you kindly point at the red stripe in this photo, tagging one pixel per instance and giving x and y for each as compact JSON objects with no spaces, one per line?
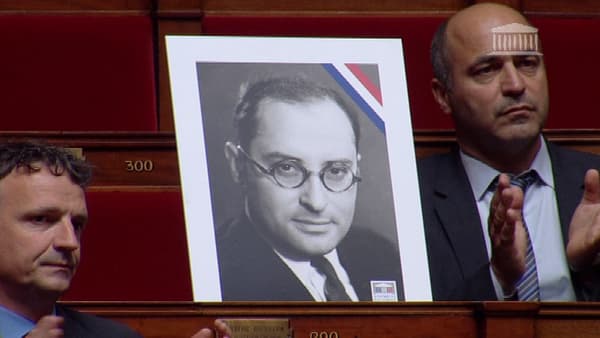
{"x":364,"y":79}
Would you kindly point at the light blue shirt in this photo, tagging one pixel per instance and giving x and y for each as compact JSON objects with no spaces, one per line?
{"x":541,"y":217}
{"x":13,"y":325}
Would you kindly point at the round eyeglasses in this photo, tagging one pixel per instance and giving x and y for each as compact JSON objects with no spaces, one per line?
{"x":336,"y":176}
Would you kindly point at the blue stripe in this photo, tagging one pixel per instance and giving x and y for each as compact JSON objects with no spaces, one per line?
{"x":362,"y":104}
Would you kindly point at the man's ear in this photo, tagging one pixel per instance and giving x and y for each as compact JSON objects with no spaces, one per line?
{"x":440,"y":94}
{"x":236,"y":165}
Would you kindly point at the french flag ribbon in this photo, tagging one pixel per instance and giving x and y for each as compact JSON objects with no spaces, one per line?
{"x":363,"y":91}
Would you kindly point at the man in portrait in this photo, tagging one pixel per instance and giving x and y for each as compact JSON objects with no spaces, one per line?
{"x":295,"y":157}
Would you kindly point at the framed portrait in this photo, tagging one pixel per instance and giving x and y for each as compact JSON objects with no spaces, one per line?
{"x":292,"y":150}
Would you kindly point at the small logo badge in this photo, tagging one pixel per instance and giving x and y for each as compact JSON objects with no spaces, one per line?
{"x":384,"y":291}
{"x":515,"y":39}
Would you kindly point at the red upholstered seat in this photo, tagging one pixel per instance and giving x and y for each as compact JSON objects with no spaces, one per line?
{"x":571,"y":54}
{"x":134,"y":248}
{"x":73,"y":72}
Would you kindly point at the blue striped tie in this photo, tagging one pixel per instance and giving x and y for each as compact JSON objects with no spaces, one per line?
{"x":527,"y":287}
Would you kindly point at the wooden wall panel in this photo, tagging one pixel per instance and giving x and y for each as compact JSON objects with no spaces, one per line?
{"x":359,"y":320}
{"x":122,"y":160}
{"x":554,"y":7}
{"x":112,"y":152}
{"x":96,"y":6}
{"x":428,"y":142}
{"x":367,"y":320}
{"x":516,"y":4}
{"x":179,"y":5}
{"x":145,"y":167}
{"x":582,"y":8}
{"x":332,"y":6}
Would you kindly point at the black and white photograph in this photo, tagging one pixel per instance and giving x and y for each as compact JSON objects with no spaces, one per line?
{"x":287,"y":173}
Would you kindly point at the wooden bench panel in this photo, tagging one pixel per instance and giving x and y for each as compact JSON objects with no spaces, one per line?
{"x":362,"y":320}
{"x":122,"y":160}
{"x":366,"y":320}
{"x":148,"y":161}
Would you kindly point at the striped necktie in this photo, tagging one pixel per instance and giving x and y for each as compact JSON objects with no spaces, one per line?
{"x":528,"y":286}
{"x":334,"y":289}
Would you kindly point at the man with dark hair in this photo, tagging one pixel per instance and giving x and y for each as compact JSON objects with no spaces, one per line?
{"x":42,"y":216}
{"x":293,"y":89}
{"x":501,"y":211}
{"x":296,"y":161}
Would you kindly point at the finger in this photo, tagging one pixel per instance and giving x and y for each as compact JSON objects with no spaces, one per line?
{"x":591,"y":183}
{"x":498,"y":206}
{"x":204,"y":333}
{"x":512,"y":198}
{"x":50,"y":322}
{"x":48,"y":326}
{"x":508,"y":215}
{"x":223,"y":328}
{"x":494,"y":218}
{"x":507,"y":234}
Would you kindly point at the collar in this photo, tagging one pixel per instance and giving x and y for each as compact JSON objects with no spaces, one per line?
{"x":305,"y":266}
{"x":480,"y":174}
{"x":13,"y":325}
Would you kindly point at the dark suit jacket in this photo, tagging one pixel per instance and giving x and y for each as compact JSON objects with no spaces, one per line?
{"x":251,"y":271}
{"x":459,"y":265}
{"x":81,"y":325}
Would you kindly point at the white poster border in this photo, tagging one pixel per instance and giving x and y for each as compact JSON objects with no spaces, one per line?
{"x":185,"y":52}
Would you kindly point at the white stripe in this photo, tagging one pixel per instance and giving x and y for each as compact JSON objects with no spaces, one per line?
{"x":362,"y":90}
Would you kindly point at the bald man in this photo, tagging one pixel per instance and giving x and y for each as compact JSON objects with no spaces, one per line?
{"x":507,"y":215}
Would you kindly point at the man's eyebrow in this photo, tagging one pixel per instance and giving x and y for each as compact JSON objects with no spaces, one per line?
{"x":345,"y":161}
{"x":484,"y":59}
{"x":279,"y":156}
{"x":44,"y":210}
{"x":51,"y":211}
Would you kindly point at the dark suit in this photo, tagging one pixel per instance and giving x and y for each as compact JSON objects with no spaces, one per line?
{"x":458,"y":260}
{"x":250,"y":270}
{"x":81,"y":325}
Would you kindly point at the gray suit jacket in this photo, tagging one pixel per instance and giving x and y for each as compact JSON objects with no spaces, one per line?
{"x":459,"y":265}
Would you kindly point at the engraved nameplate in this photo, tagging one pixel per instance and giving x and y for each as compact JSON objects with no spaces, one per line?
{"x":259,"y":327}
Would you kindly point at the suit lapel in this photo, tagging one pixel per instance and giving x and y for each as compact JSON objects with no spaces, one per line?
{"x":359,"y":270}
{"x":457,"y":212}
{"x":265,"y":275}
{"x":72,"y":327}
{"x":569,"y":187}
